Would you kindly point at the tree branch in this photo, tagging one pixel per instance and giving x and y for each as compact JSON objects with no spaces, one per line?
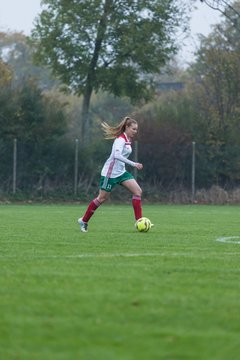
{"x":217,"y":4}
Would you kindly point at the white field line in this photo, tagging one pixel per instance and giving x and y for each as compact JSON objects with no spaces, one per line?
{"x":103,"y":255}
{"x":229,"y":239}
{"x":111,"y":255}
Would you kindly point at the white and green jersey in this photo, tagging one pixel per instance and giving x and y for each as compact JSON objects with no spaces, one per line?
{"x":115,"y":164}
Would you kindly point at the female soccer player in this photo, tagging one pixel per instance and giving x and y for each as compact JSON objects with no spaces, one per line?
{"x":114,"y":172}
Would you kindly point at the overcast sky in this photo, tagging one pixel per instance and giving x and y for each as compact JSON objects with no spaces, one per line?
{"x":19,"y":15}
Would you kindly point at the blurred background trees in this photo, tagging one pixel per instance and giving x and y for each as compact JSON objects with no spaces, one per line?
{"x":113,"y":46}
{"x":217,"y":75}
{"x":200,"y":103}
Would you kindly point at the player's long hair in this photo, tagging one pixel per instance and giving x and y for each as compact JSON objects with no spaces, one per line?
{"x":111,"y":132}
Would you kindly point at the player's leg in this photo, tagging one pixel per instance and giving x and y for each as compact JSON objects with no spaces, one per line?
{"x":136,"y":191}
{"x":92,"y":207}
{"x":103,"y":195}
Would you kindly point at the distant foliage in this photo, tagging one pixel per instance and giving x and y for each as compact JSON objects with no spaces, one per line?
{"x":113,"y":45}
{"x":16,"y":50}
{"x":217,"y":100}
{"x":205,"y":110}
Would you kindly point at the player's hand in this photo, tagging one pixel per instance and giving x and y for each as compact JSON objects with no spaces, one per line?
{"x":139,"y":166}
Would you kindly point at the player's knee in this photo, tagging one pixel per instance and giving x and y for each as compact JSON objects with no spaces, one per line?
{"x":138,"y":192}
{"x":102,"y":198}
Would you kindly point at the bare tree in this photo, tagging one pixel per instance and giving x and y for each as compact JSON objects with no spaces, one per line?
{"x":230,"y":11}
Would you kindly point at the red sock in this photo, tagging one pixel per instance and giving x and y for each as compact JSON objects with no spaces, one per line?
{"x":94,"y":204}
{"x":137,"y":206}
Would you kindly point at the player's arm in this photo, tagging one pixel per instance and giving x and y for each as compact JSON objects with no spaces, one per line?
{"x":118,"y":154}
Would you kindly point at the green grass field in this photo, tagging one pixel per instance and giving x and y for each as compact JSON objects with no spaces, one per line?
{"x":114,"y":294}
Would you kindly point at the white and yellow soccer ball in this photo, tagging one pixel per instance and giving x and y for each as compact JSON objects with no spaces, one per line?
{"x":143,"y":224}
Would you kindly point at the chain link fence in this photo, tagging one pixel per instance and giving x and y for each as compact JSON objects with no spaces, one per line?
{"x":187,"y":174}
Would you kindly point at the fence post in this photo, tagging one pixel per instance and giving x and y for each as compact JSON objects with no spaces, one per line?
{"x":193,"y":171}
{"x":135,"y":158}
{"x":14,"y":165}
{"x":76,"y":167}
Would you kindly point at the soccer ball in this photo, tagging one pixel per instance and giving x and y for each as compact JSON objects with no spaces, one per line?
{"x":143,"y":224}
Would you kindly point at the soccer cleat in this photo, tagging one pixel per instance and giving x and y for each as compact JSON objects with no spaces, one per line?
{"x":83,"y":225}
{"x":151,"y":225}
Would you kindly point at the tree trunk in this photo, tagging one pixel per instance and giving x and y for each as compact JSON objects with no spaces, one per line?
{"x":85,"y":125}
{"x":85,"y":129}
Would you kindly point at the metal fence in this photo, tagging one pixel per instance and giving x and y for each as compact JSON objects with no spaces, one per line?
{"x":64,"y":168}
